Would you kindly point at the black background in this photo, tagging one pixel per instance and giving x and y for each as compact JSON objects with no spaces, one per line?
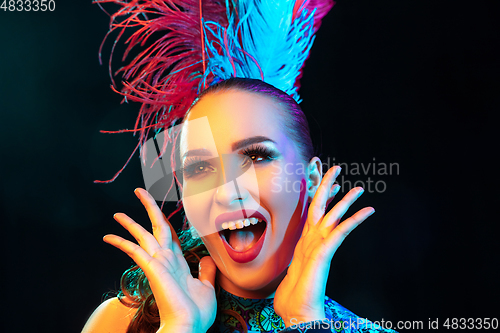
{"x":404,"y":82}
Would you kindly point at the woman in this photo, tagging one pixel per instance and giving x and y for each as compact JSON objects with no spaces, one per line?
{"x":252,"y":190}
{"x":266,"y":239}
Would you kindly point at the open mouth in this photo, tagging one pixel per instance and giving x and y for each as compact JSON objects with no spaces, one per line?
{"x":243,"y":239}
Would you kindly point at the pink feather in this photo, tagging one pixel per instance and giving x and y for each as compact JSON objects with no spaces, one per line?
{"x":163,"y":76}
{"x":322,"y":8}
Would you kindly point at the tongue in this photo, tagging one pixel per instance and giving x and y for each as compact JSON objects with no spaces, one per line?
{"x":243,"y":239}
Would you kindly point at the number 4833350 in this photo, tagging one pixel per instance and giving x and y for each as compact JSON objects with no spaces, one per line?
{"x":28,"y":5}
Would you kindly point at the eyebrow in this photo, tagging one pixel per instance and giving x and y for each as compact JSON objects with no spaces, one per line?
{"x":235,"y":146}
{"x":197,"y":152}
{"x":249,"y":141}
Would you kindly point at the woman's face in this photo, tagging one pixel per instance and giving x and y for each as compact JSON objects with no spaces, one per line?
{"x":243,"y":188}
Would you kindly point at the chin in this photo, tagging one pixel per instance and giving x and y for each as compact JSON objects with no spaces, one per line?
{"x":253,"y":280}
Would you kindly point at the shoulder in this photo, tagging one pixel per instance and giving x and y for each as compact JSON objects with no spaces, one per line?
{"x":110,"y":317}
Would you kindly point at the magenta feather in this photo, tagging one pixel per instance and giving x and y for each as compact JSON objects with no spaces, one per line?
{"x":322,"y":8}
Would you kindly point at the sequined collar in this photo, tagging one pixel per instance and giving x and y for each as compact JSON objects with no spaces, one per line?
{"x":258,"y":314}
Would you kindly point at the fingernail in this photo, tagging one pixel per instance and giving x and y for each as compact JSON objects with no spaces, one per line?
{"x":373,"y":211}
{"x":336,"y":190}
{"x":338,"y":171}
{"x":361,"y":192}
{"x":137,"y":192}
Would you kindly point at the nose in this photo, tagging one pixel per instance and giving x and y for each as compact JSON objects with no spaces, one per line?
{"x":230,"y":194}
{"x":231,"y":191}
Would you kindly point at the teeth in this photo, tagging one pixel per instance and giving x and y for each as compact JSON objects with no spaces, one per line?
{"x":240,"y":224}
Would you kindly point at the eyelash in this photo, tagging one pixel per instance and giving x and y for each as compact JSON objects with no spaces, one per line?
{"x":192,"y":163}
{"x":263,"y":151}
{"x":190,"y":166}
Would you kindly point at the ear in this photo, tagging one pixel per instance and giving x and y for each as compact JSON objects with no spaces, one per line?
{"x":314,"y":175}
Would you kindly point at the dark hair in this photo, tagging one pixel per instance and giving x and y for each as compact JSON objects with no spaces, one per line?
{"x":135,"y":291}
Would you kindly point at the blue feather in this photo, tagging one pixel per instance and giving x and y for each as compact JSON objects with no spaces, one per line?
{"x":273,"y":47}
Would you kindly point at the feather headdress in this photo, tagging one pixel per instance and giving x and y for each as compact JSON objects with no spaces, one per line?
{"x":205,"y":42}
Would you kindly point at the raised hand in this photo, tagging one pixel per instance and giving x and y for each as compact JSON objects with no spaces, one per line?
{"x":300,"y":296}
{"x":185,"y":304}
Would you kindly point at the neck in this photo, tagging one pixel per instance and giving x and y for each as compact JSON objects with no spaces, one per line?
{"x":267,"y":291}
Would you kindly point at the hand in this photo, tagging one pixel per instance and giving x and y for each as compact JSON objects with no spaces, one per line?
{"x":300,"y":296}
{"x":185,"y":304}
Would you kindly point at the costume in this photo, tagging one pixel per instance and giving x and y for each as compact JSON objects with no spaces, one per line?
{"x":259,"y":316}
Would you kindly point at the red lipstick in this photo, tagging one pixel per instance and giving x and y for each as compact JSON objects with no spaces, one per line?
{"x":248,"y":255}
{"x":251,"y":253}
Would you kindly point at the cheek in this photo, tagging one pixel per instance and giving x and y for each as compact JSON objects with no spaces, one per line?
{"x":290,"y":232}
{"x":197,"y":208}
{"x":281,"y":184}
{"x":293,"y":229}
{"x":283,"y":193}
{"x":272,"y":178}
{"x":289,"y":216}
{"x":198,"y":184}
{"x":214,"y":246}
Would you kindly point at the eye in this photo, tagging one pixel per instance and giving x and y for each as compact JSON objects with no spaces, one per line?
{"x":258,"y":154}
{"x":195,"y":167}
{"x":256,"y":158}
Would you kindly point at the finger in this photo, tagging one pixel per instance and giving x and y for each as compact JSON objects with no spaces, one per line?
{"x":332,"y":218}
{"x":161,"y":232}
{"x":335,"y":189}
{"x":141,"y":235}
{"x":134,"y":251}
{"x":152,"y":267}
{"x":207,"y":270}
{"x":175,"y":238}
{"x":160,"y":274}
{"x":337,"y":236}
{"x":318,"y":204}
{"x":333,"y":192}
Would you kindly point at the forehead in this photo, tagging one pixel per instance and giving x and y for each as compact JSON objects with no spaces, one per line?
{"x":232,"y":115}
